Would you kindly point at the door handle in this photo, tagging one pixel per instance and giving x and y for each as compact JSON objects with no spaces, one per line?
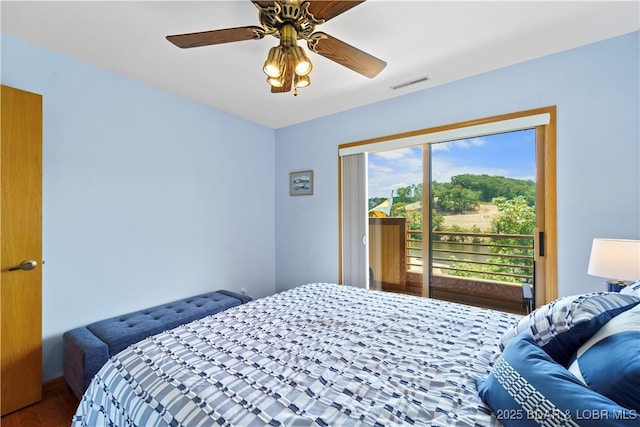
{"x":25,"y":265}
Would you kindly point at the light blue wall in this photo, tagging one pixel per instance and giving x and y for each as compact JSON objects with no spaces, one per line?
{"x":596,"y":91}
{"x":147,"y":197}
{"x":150,"y":197}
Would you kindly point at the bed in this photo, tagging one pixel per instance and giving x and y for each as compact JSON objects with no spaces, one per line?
{"x":330,"y":355}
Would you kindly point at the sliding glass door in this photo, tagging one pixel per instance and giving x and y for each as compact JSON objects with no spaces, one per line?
{"x":483,"y":222}
{"x":460,"y":219}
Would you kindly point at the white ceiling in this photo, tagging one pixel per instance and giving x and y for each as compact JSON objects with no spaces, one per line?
{"x":445,"y":40}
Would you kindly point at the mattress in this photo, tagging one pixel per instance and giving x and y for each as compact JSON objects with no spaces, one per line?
{"x":320,"y":354}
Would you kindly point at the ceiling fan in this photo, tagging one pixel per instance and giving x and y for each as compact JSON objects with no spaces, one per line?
{"x":291,"y":20}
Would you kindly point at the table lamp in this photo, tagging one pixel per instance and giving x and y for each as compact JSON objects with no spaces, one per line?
{"x":616,"y":259}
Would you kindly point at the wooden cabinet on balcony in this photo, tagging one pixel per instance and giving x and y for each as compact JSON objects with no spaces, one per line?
{"x":387,"y":253}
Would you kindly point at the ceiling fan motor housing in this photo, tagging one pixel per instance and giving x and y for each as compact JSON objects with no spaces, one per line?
{"x":291,"y":12}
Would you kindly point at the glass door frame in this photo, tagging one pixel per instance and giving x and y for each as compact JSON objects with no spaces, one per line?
{"x":546,"y":241}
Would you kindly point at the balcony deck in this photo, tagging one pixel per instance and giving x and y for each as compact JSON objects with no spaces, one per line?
{"x":460,"y":263}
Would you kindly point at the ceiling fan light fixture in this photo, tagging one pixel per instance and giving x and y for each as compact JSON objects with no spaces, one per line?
{"x":301,"y":81}
{"x":274,"y":65}
{"x":291,"y":21}
{"x":276,"y":81}
{"x":301,"y":62}
{"x":280,"y":80}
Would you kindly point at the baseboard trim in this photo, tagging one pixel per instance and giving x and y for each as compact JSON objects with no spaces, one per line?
{"x":53,"y":384}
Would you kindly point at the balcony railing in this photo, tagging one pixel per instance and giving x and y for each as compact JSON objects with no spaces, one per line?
{"x":502,"y":257}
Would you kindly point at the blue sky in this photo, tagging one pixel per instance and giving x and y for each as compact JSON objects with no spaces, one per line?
{"x":508,"y":154}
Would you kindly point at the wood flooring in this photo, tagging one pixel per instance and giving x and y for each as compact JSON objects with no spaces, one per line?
{"x":56,"y":408}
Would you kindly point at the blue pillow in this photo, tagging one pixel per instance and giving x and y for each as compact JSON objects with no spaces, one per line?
{"x":563,"y":325}
{"x":528,"y":388}
{"x":609,"y":362}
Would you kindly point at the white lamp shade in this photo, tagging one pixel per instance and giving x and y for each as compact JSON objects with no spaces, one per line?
{"x":615,"y":259}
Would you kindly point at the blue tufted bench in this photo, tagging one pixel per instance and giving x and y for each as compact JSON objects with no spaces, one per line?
{"x":87,"y":348}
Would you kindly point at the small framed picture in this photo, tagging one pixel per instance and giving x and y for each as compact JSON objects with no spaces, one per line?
{"x":301,"y":183}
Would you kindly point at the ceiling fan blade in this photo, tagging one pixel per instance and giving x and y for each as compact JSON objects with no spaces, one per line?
{"x":206,"y":38}
{"x":322,"y":9}
{"x":283,"y":89}
{"x":346,"y":55}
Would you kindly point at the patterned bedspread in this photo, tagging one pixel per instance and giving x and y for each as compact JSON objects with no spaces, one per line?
{"x":320,"y":354}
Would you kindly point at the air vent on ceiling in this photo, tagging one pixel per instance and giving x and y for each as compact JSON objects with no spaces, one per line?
{"x":412,"y":82}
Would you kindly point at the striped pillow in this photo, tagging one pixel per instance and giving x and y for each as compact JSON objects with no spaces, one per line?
{"x":632,"y":289}
{"x":563,"y":325}
{"x":609,"y":362}
{"x":526,"y":388}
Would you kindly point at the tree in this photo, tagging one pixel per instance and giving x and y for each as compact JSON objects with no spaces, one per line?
{"x":437,"y":221}
{"x":399,"y":209}
{"x":516,"y":218}
{"x":456,"y":199}
{"x":493,"y":186}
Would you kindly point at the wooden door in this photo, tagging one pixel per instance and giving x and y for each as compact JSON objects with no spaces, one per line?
{"x":20,"y":240}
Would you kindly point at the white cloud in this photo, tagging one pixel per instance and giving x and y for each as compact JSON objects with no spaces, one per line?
{"x":460,"y":143}
{"x":375,"y":168}
{"x":390,"y":170}
{"x":394,"y":154}
{"x":443,"y":171}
